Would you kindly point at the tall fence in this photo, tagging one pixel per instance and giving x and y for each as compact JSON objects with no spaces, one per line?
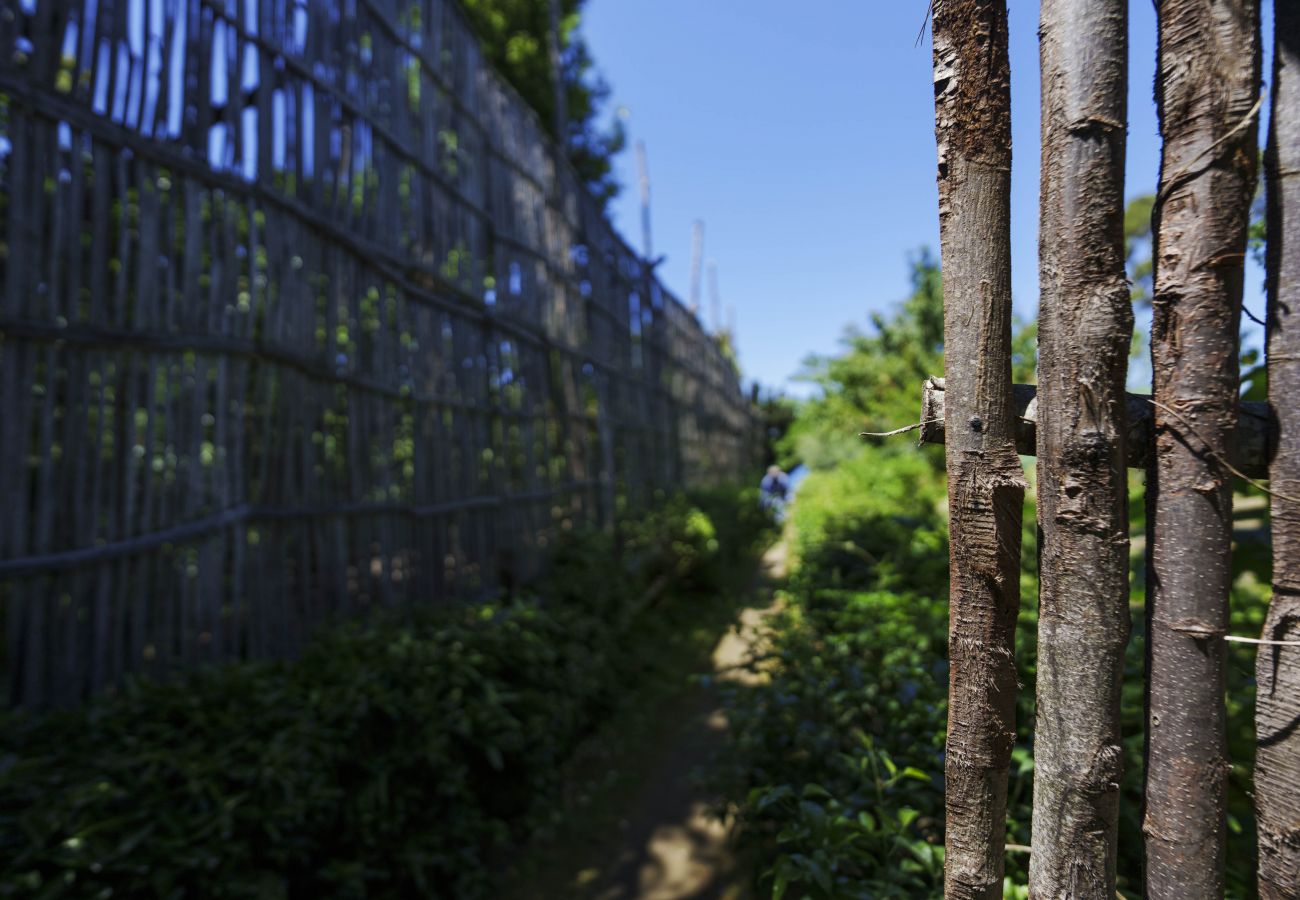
{"x":301,"y":315}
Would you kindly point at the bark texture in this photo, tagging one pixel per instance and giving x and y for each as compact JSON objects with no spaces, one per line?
{"x":1277,"y":710}
{"x":1249,"y":454}
{"x":985,"y":482}
{"x":1206,"y":89}
{"x":1085,"y":325}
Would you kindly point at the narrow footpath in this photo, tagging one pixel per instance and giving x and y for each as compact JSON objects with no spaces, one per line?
{"x":651,"y":832}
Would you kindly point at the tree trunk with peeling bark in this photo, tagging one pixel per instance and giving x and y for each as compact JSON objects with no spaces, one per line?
{"x":1206,"y":91}
{"x":1085,"y":325}
{"x":1277,"y":710}
{"x":985,"y":481}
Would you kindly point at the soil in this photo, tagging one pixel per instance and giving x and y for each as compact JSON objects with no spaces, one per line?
{"x":643,"y":826}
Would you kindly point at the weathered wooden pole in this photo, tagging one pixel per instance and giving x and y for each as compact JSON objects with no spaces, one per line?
{"x":643,"y":184}
{"x":697,"y":261}
{"x":1206,"y":91}
{"x":715,"y":298}
{"x":555,"y":51}
{"x":1277,"y":703}
{"x":1085,"y":325}
{"x":985,"y":481}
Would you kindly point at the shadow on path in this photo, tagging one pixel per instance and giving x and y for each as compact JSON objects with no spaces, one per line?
{"x":675,"y":848}
{"x":664,"y":842}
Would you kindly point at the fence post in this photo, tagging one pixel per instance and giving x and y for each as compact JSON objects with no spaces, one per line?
{"x":555,"y":52}
{"x":1085,"y":322}
{"x":985,"y":481}
{"x":1277,"y":704}
{"x":1206,"y":90}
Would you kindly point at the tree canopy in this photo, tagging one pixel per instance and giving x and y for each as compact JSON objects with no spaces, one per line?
{"x":514,"y":36}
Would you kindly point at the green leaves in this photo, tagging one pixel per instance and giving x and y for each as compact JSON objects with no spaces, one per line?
{"x":1137,"y":243}
{"x":836,"y":754}
{"x":872,"y":523}
{"x":514,"y":34}
{"x":391,"y":760}
{"x":836,"y":758}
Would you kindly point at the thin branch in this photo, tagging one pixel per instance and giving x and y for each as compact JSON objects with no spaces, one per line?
{"x":1254,"y":318}
{"x":1261,"y":641}
{"x":1220,"y":457}
{"x":1176,"y":179}
{"x":897,"y":431}
{"x":929,"y":11}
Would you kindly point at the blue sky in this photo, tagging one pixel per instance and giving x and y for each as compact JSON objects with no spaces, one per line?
{"x":805,"y":142}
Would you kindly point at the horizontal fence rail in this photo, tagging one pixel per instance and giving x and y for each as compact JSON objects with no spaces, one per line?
{"x":300,"y":316}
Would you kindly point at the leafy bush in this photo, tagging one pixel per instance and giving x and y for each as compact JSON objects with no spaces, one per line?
{"x":836,"y":760}
{"x":391,"y":760}
{"x":838,"y":752}
{"x":837,"y":768}
{"x":874,"y":522}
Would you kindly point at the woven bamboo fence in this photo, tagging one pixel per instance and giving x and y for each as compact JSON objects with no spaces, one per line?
{"x":300,"y":316}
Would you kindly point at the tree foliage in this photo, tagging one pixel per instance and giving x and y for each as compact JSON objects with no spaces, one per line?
{"x":514,"y":37}
{"x":874,"y":384}
{"x":1137,"y":245}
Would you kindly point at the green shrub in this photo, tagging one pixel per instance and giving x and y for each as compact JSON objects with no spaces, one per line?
{"x":836,"y":768}
{"x":392,"y":760}
{"x":836,"y":758}
{"x":874,"y":522}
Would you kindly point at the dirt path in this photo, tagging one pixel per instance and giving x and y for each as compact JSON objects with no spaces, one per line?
{"x":661,"y":840}
{"x":675,"y":848}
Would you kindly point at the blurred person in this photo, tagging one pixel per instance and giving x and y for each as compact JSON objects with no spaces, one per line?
{"x":774,"y":489}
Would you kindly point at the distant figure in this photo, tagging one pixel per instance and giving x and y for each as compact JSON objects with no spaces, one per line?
{"x":773,"y":491}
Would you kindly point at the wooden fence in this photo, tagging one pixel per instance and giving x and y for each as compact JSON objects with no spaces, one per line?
{"x":301,"y":314}
{"x":1192,"y":434}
